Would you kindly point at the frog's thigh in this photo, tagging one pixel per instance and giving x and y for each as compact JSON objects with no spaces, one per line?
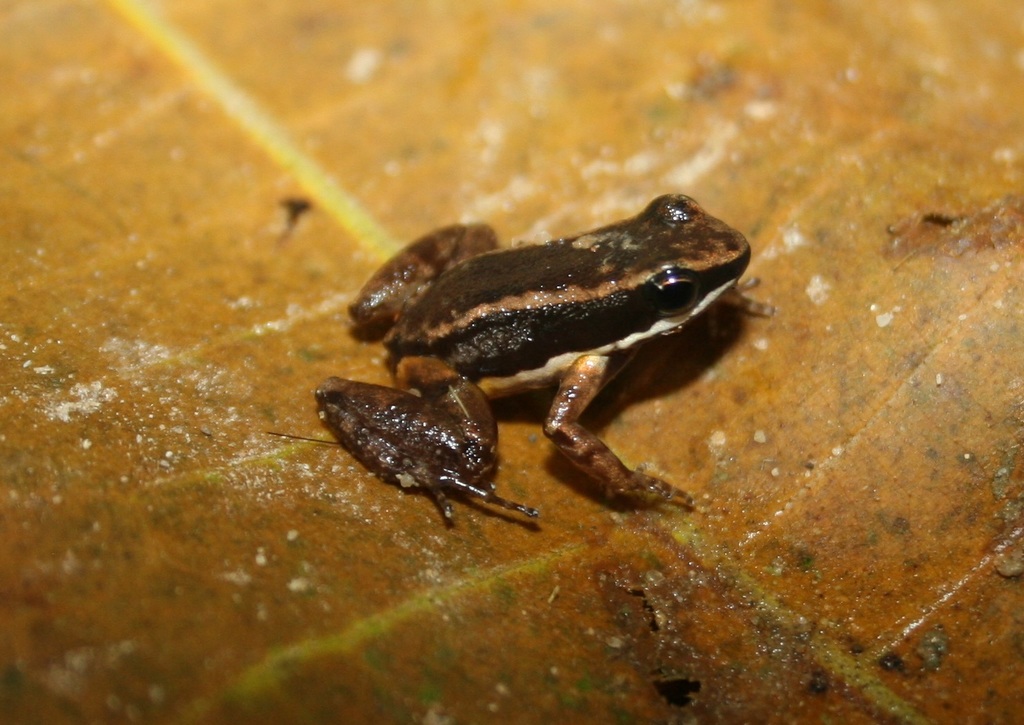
{"x":426,"y":375}
{"x":403,"y":276}
{"x":580,"y":384}
{"x":440,"y":385}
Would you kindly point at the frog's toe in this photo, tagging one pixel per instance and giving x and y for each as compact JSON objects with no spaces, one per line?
{"x":649,"y":484}
{"x":443,"y":504}
{"x":486,"y":492}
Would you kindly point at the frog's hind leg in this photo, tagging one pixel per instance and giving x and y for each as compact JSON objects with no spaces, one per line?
{"x":442,"y":440}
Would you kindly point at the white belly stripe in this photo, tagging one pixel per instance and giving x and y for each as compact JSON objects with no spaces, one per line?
{"x":550,"y":372}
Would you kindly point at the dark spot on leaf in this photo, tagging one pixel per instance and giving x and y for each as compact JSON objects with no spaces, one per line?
{"x":933,"y":648}
{"x":942,"y":220}
{"x":295,"y":207}
{"x":818,"y":683}
{"x":891,"y":662}
{"x":652,"y":618}
{"x":935,"y":233}
{"x":677,"y":691}
{"x":900,"y":526}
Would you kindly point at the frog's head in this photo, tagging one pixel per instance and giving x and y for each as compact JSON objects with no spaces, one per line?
{"x":689,"y":257}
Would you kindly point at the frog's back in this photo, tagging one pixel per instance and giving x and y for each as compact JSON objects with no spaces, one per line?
{"x":522,"y":315}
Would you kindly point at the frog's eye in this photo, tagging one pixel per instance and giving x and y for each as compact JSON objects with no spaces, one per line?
{"x":673,"y":290}
{"x":675,"y":209}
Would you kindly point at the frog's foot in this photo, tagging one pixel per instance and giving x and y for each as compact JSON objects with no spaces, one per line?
{"x":737,"y":294}
{"x":484,"y":491}
{"x":406,"y":480}
{"x":641,"y":483}
{"x":488,"y":495}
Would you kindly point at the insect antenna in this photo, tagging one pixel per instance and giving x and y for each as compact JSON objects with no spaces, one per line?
{"x":301,"y":438}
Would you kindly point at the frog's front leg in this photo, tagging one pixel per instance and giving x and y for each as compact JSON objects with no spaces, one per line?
{"x":579,"y":386}
{"x":442,"y":436}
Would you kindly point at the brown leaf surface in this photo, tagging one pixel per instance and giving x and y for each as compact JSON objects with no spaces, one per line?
{"x":856,"y":554}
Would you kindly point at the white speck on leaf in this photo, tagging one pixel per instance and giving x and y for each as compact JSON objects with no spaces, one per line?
{"x":90,"y":398}
{"x":818,"y":289}
{"x":793,"y":238}
{"x":363,"y":65}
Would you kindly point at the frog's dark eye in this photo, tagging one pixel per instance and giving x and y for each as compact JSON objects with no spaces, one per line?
{"x":675,"y":209}
{"x":673,"y":290}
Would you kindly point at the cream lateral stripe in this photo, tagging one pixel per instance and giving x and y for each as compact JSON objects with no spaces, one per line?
{"x":533,"y":300}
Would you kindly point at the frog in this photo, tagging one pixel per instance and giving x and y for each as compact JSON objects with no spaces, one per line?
{"x":465,"y":320}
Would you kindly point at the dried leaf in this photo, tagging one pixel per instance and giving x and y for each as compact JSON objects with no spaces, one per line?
{"x":192,"y":193}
